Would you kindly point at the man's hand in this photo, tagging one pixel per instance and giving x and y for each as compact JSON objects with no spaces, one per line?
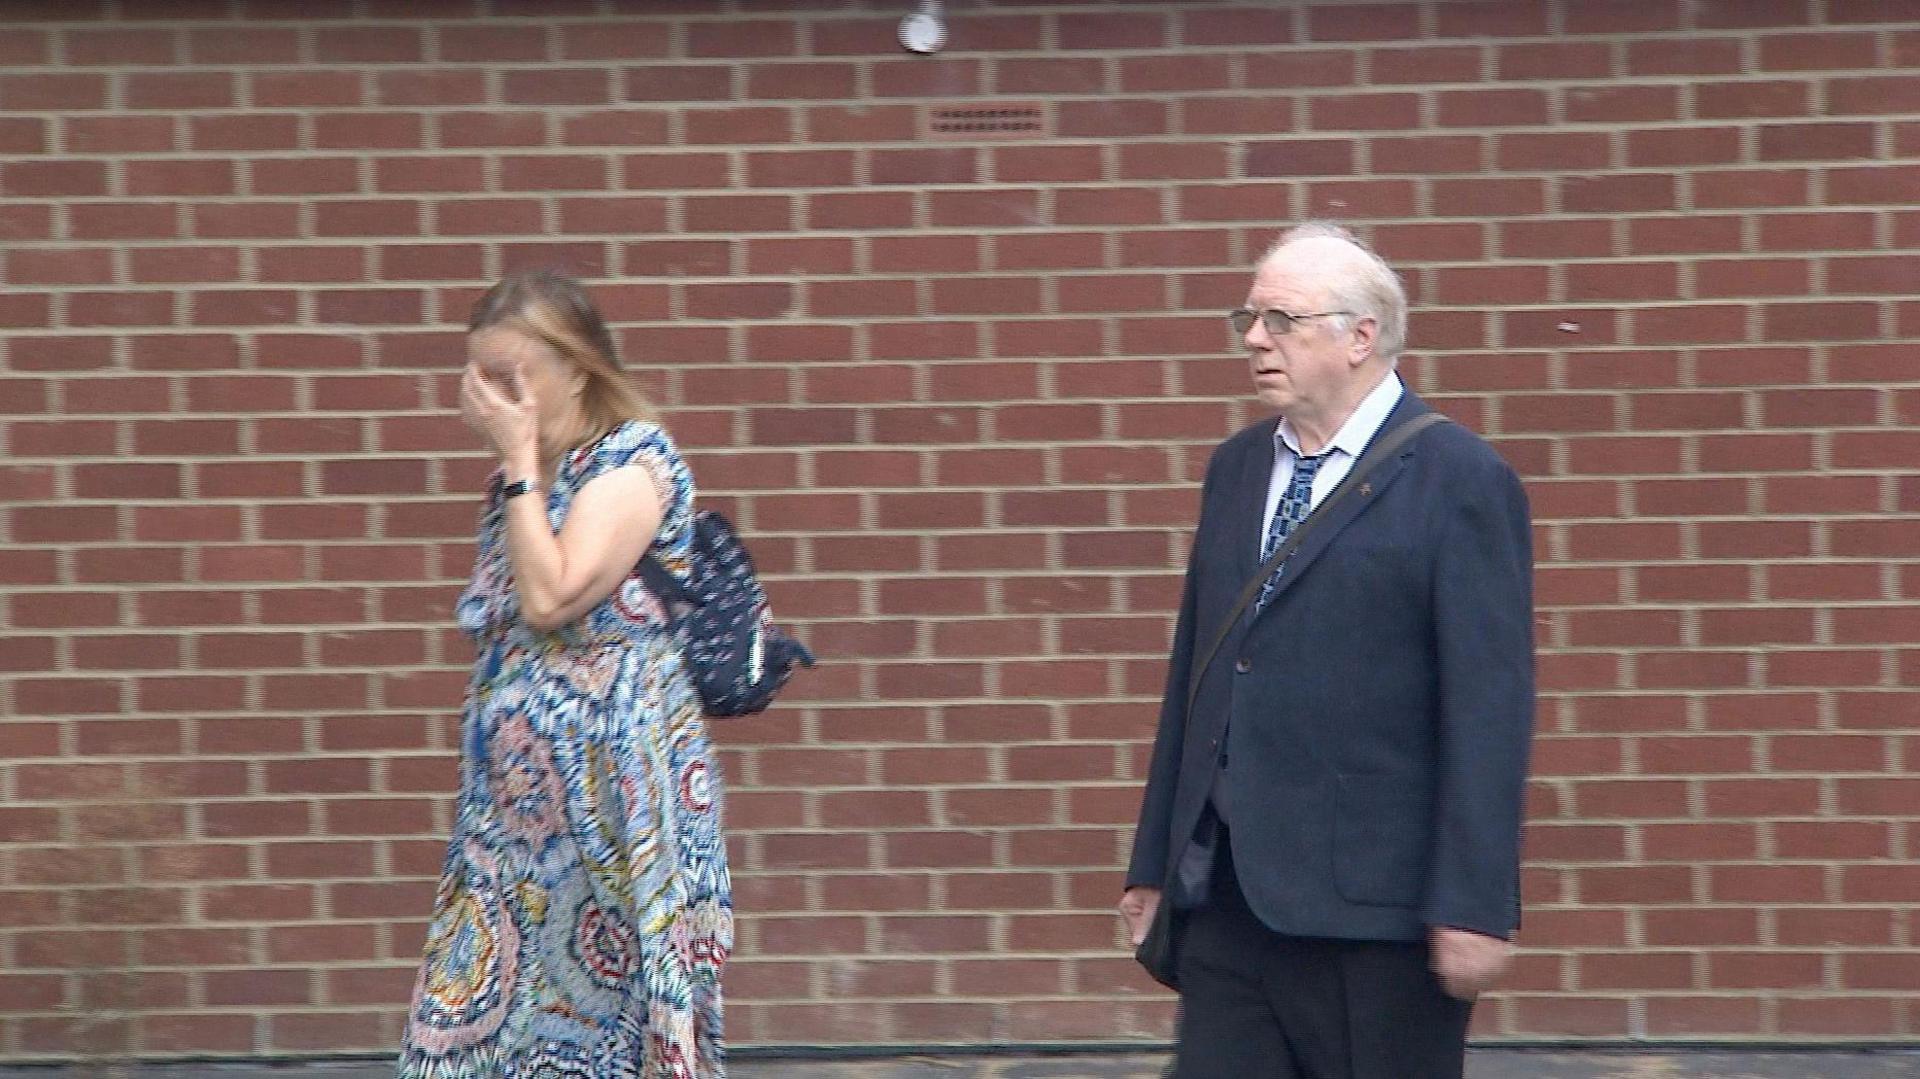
{"x":1468,"y":963}
{"x":1137,"y":907}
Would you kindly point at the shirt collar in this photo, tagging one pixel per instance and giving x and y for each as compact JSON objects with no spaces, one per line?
{"x":1360,"y":427}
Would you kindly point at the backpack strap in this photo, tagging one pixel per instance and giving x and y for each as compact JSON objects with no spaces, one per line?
{"x":659,"y":581}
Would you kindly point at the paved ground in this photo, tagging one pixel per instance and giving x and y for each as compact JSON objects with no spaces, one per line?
{"x":1485,"y":1064}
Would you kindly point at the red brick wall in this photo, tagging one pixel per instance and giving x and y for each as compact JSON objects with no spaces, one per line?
{"x":1663,"y":254}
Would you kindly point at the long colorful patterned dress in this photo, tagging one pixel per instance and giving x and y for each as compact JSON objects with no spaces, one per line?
{"x":584,"y":912}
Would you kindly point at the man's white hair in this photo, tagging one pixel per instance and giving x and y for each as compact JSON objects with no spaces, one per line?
{"x":1356,"y":280}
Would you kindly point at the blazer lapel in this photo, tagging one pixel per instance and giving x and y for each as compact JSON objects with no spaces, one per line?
{"x":1245,"y":526}
{"x":1352,"y":506}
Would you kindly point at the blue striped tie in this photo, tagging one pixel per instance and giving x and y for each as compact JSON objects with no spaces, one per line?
{"x":1286,"y":517}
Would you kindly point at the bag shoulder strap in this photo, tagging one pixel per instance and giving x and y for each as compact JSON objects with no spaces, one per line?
{"x":1369,"y":458}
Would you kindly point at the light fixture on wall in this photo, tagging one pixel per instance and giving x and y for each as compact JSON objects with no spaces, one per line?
{"x":924,"y":31}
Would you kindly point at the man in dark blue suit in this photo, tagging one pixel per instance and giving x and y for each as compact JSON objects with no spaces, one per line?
{"x":1337,"y":818}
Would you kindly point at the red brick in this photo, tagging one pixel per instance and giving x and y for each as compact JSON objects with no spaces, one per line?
{"x":1640,"y":970}
{"x":1615,"y":194}
{"x":1550,"y":60}
{"x":259,"y":986}
{"x":989,"y":208}
{"x":949,"y":78}
{"x":25,"y":222}
{"x":369,"y":45}
{"x":1852,"y":1015}
{"x":1791,"y":322}
{"x":1424,"y":64}
{"x":198,"y":1033}
{"x":1593,"y":1016}
{"x":103,"y":48}
{"x":1674,"y":1016}
{"x":1172,"y":74}
{"x":766,"y":37}
{"x":1869,"y":450}
{"x":1668,"y":147}
{"x":1302,"y":68}
{"x":1493,"y":18}
{"x":1423,"y":155}
{"x":1872,"y":95}
{"x":1623,"y":16}
{"x":1364,"y":112}
{"x":1226,"y":115}
{"x":1362,"y":198}
{"x":1720,"y":14}
{"x":1724,"y":278}
{"x":1491,"y":108}
{"x":406,"y":88}
{"x":54,"y":179}
{"x":1816,"y":142}
{"x":1872,"y":275}
{"x":178,"y":90}
{"x":607,"y":40}
{"x":52,"y":92}
{"x":1764,"y":970}
{"x":1746,"y":100}
{"x":1052,"y":76}
{"x":1621,"y":104}
{"x":1119,"y":31}
{"x":23,"y":135}
{"x":462,"y":44}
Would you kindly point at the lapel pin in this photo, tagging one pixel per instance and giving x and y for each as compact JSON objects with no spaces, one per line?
{"x":1366,"y":489}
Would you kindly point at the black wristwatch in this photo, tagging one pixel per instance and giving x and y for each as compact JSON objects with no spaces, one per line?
{"x":515,"y":489}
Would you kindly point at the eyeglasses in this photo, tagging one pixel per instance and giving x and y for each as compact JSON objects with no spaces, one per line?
{"x":1278,"y":323}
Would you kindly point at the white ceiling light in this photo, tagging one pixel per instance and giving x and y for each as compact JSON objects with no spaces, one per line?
{"x":924,"y":31}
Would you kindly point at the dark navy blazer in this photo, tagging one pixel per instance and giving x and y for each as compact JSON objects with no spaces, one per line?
{"x":1374,"y":719}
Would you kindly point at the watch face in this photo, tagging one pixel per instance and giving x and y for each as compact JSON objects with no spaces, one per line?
{"x":922,"y":33}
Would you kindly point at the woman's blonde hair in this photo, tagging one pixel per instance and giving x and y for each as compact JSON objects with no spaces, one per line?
{"x":553,"y":308}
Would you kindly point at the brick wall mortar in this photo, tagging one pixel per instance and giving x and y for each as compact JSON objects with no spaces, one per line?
{"x":234,"y":509}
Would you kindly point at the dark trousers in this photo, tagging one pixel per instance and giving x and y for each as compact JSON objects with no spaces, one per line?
{"x":1256,"y":1004}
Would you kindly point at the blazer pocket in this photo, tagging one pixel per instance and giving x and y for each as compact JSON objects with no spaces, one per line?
{"x":1380,"y":840}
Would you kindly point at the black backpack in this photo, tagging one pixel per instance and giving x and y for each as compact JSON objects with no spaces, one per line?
{"x":738,"y":659}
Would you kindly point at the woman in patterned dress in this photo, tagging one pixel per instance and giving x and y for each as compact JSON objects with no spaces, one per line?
{"x":584,"y":912}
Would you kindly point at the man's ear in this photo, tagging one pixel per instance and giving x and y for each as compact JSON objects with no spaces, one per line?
{"x":1366,"y":340}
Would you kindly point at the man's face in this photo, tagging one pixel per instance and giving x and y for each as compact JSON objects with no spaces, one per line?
{"x":1309,"y":369}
